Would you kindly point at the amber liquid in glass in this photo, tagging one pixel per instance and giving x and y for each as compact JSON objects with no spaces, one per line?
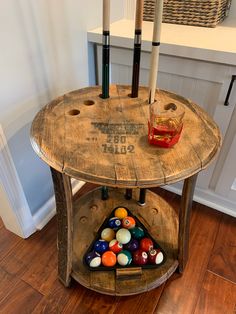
{"x":164,"y":131}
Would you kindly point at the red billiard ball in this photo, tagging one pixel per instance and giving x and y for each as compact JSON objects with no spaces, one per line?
{"x":155,"y":256}
{"x":128,"y":222}
{"x":140,"y":257}
{"x":115,"y":246}
{"x":146,"y":244}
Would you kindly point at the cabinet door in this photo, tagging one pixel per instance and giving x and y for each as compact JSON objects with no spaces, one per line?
{"x":223,"y":181}
{"x":205,"y":83}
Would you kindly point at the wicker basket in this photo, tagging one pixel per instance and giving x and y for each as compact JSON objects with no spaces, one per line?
{"x":207,"y":13}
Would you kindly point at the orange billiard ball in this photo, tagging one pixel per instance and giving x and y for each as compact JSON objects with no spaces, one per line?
{"x":128,"y":222}
{"x":109,"y":259}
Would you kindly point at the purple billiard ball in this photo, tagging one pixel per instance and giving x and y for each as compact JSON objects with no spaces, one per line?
{"x":93,"y":259}
{"x":132,"y":246}
{"x":101,"y":246}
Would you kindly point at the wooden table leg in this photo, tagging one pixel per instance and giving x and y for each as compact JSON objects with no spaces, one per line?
{"x":184,"y":220}
{"x":63,"y":195}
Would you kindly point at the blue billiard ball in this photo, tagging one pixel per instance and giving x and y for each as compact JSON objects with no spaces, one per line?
{"x":101,"y":246}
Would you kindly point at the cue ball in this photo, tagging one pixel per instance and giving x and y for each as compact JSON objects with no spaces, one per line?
{"x":123,"y":236}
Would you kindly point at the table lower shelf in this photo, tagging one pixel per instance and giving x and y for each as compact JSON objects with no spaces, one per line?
{"x":157,"y":216}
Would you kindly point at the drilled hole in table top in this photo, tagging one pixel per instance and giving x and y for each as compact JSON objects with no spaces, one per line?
{"x":74,"y":112}
{"x":89,"y":102}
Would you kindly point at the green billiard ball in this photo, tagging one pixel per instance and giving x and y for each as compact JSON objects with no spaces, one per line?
{"x":137,"y":233}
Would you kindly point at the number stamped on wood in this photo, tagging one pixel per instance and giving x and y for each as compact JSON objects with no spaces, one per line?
{"x":117,"y":133}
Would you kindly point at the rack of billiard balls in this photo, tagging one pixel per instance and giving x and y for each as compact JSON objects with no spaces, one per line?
{"x":123,"y":242}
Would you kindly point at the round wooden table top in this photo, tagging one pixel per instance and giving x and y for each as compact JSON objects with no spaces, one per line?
{"x":105,"y":141}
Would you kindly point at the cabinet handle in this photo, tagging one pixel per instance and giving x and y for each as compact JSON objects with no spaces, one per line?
{"x":229,"y":90}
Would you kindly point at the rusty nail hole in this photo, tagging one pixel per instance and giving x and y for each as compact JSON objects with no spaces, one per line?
{"x":74,"y":112}
{"x":83,"y":219}
{"x":89,"y":102}
{"x":170,"y":106}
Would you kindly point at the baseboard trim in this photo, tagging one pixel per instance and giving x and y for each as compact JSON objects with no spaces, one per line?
{"x":16,"y":214}
{"x":207,"y":198}
{"x":45,"y":213}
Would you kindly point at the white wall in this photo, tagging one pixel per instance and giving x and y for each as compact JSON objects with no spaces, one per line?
{"x":44,"y":53}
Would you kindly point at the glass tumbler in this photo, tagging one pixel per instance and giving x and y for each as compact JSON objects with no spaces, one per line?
{"x":165,"y":124}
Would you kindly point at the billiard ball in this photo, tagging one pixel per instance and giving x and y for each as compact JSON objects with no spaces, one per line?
{"x":124,"y":258}
{"x":121,"y":212}
{"x":140,"y":257}
{"x":114,"y":223}
{"x":123,"y":236}
{"x":101,"y":246}
{"x":128,"y":222}
{"x":108,"y":234}
{"x":137,"y":233}
{"x":115,"y":246}
{"x":109,"y":259}
{"x":146,"y":244}
{"x":93,"y":259}
{"x":132,"y":246}
{"x":155,"y":256}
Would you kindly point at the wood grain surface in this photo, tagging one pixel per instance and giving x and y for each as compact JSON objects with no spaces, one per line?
{"x":157,"y":216}
{"x":104,"y":141}
{"x":196,"y":289}
{"x":210,"y":299}
{"x":223,"y":258}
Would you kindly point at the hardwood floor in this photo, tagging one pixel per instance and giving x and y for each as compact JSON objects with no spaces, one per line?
{"x":28,"y":274}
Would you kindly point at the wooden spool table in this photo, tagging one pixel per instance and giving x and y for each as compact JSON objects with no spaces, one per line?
{"x":104,"y":141}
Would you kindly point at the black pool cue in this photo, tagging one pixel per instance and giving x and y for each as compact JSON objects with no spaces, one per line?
{"x":142,"y":197}
{"x":137,"y":48}
{"x":106,"y":49}
{"x":136,"y":61}
{"x":128,"y":194}
{"x":105,"y":194}
{"x":105,"y":65}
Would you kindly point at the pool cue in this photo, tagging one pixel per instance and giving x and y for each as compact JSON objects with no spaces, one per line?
{"x":137,"y":47}
{"x":136,"y":61}
{"x":142,"y":197}
{"x":106,"y":49}
{"x":105,"y":194}
{"x":105,"y":65}
{"x":128,"y":194}
{"x":153,"y":68}
{"x":155,"y":50}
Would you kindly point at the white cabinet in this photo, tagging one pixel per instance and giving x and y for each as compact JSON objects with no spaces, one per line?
{"x":206,"y":83}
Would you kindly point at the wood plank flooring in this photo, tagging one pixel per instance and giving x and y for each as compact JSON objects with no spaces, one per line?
{"x":28,"y":274}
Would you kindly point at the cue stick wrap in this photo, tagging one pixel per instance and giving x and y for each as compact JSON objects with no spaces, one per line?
{"x":106,"y":49}
{"x":137,"y":47}
{"x":155,"y":50}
